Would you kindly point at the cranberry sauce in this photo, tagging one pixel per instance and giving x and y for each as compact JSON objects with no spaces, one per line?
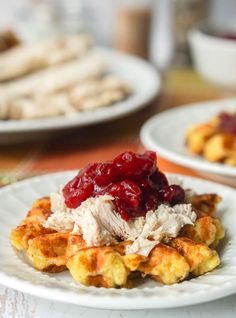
{"x":132,"y":179}
{"x":228,"y":122}
{"x":223,"y":34}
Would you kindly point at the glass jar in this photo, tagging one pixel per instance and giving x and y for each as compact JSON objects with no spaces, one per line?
{"x":133,"y":24}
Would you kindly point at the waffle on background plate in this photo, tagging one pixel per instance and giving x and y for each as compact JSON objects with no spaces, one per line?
{"x":214,"y":140}
{"x":190,"y":254}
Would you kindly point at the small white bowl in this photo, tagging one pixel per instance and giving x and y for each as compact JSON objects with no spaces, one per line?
{"x":214,"y":58}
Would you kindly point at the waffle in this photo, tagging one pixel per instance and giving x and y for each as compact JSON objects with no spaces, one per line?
{"x":192,"y":253}
{"x":212,"y":143}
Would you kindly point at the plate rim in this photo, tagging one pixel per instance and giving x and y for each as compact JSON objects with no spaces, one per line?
{"x":101,"y":115}
{"x":182,"y":159}
{"x":99,"y":300}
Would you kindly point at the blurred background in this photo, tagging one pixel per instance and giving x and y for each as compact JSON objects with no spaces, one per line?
{"x":164,"y":23}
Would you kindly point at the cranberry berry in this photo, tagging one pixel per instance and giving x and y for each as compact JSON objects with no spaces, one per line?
{"x":173,"y":194}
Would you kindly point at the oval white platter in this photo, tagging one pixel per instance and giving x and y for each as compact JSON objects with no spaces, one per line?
{"x":141,"y":76}
{"x":17,"y":273}
{"x":165,"y":133}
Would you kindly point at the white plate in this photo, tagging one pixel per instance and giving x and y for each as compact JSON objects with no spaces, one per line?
{"x":142,"y":77}
{"x":165,"y":133}
{"x":15,"y":271}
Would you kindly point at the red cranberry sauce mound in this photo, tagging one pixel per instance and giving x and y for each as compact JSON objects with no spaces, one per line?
{"x":228,"y":122}
{"x":132,"y":179}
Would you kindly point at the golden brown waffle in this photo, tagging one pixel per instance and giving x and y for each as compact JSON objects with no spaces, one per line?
{"x":209,"y":141}
{"x":107,"y":266}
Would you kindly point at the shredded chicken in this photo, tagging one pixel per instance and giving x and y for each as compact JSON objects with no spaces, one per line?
{"x":163,"y":223}
{"x":98,"y":222}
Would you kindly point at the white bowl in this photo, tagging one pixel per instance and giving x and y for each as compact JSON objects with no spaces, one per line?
{"x":214,"y":58}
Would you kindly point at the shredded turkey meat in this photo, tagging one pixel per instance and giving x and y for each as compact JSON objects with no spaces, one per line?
{"x":98,"y":222}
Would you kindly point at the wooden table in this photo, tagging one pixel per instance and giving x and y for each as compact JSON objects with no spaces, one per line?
{"x":18,"y":305}
{"x":72,"y":150}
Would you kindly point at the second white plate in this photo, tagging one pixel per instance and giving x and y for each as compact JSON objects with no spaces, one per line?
{"x":165,"y":133}
{"x":140,"y":75}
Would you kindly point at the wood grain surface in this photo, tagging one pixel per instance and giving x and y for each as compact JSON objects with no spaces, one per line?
{"x":18,"y":305}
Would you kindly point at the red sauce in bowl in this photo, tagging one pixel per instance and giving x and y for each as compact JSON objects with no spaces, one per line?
{"x":227,"y":35}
